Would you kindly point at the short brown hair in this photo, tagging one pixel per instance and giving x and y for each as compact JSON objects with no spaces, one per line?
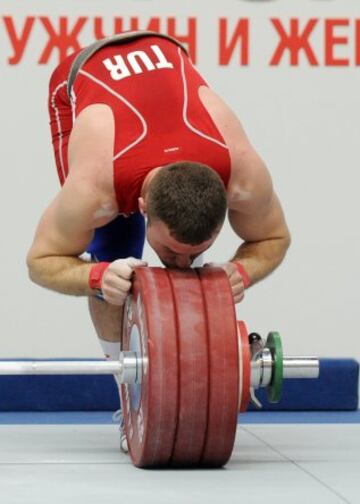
{"x":190,"y":198}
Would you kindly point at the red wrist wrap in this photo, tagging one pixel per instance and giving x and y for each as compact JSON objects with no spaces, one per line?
{"x":96,"y":274}
{"x":243,"y":274}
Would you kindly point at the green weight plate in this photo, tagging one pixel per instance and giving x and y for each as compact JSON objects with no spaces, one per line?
{"x":273,"y":343}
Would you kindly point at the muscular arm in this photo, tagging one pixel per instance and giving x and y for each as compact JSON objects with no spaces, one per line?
{"x":255,"y":212}
{"x":64,"y":232}
{"x":256,"y":216}
{"x":84,"y":203}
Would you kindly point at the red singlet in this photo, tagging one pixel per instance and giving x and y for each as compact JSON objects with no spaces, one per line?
{"x":152,"y":88}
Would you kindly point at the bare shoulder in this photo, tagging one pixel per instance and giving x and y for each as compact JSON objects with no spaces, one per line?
{"x":83,"y":203}
{"x":250,"y":183}
{"x":91,"y":146}
{"x":251,"y":186}
{"x":67,"y":226}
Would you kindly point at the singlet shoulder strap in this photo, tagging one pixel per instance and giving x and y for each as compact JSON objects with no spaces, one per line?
{"x":121,"y":38}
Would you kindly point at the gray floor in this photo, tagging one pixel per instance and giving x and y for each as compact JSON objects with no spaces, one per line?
{"x":282,"y":463}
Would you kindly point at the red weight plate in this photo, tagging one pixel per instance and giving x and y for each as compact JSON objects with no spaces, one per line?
{"x":244,"y":366}
{"x":193,"y":368}
{"x":151,"y":408}
{"x":223,"y":367}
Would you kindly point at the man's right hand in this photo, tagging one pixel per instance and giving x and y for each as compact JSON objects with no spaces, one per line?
{"x":116,"y":280}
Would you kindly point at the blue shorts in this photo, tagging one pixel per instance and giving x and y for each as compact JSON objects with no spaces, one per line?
{"x":122,"y":237}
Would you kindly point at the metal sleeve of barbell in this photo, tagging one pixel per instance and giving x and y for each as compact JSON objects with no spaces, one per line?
{"x":301,"y":367}
{"x":60,"y":367}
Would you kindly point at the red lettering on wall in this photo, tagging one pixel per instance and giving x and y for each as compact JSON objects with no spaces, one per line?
{"x":18,"y":42}
{"x":294,"y":42}
{"x":331,"y":41}
{"x":63,"y":40}
{"x":240,"y":38}
{"x":62,"y":35}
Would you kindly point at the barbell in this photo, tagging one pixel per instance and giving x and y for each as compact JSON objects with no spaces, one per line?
{"x":186,"y":369}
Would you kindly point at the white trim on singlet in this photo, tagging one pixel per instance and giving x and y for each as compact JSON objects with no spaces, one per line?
{"x":185,"y":107}
{"x":73,"y":105}
{"x":126,"y":102}
{"x":58,"y":122}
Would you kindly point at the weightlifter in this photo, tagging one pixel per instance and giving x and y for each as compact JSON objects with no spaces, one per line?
{"x":144,"y":147}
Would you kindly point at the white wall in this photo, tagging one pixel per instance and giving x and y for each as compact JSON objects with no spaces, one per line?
{"x":304,"y":121}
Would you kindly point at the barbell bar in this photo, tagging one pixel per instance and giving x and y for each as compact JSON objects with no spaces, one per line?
{"x":128,"y":368}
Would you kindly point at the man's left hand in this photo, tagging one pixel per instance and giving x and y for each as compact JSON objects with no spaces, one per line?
{"x":235,"y":279}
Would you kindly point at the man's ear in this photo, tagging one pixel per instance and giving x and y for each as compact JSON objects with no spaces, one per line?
{"x":142,"y":206}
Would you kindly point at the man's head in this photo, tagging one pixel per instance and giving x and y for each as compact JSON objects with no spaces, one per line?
{"x":185,"y":204}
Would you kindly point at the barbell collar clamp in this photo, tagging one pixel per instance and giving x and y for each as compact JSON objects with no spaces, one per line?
{"x":294,"y":367}
{"x":254,"y":400}
{"x":131,"y":368}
